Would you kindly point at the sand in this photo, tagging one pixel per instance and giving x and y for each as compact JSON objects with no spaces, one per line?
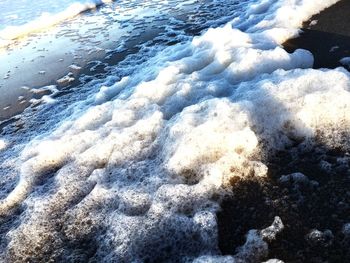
{"x":326,"y":35}
{"x":320,"y":207}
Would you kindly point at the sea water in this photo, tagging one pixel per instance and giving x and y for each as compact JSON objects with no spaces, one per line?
{"x":130,"y":167}
{"x":17,"y":13}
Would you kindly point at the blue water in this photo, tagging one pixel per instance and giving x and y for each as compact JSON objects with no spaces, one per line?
{"x":16,"y":13}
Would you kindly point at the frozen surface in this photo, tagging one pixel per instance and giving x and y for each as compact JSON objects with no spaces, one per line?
{"x":133,"y":172}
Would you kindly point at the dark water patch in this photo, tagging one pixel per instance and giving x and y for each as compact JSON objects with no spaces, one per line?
{"x":335,"y":19}
{"x":328,"y":48}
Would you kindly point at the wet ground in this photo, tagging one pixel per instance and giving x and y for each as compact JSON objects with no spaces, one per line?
{"x":309,"y":191}
{"x":307,"y":184}
{"x":103,"y":37}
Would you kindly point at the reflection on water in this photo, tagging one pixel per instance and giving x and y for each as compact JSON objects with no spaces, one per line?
{"x":121,"y":27}
{"x":19,"y":12}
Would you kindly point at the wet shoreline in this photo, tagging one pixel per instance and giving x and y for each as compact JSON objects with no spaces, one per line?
{"x":257,"y":201}
{"x":62,"y":54}
{"x":327,"y":36}
{"x":307,"y":184}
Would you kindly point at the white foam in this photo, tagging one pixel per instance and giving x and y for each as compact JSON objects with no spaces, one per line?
{"x":334,"y":48}
{"x":274,"y":261}
{"x":143,"y":159}
{"x":345,"y":61}
{"x":346,"y":230}
{"x":280,"y":20}
{"x":254,"y":249}
{"x":3,"y":145}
